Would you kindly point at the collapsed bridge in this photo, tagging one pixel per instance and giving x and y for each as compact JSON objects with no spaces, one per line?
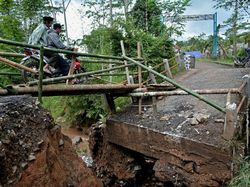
{"x":192,"y":141}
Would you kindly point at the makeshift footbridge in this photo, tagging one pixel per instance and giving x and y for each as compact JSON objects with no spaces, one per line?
{"x":188,"y":158}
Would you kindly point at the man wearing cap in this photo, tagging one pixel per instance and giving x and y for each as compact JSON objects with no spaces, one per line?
{"x":39,"y":35}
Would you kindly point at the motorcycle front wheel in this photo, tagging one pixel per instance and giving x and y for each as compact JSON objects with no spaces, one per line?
{"x":28,"y":76}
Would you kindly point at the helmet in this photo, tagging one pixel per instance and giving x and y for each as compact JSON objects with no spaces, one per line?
{"x":48,"y":18}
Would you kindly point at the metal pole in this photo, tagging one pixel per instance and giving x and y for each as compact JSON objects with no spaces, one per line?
{"x":52,"y":80}
{"x":211,"y":103}
{"x":40,"y":83}
{"x":215,"y":36}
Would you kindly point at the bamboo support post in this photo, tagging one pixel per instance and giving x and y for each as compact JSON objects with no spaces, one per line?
{"x":167,"y":68}
{"x":139,"y":76}
{"x":63,"y":78}
{"x":125,"y":61}
{"x":152,"y":78}
{"x":111,"y":72}
{"x":72,"y":66}
{"x":40,"y":83}
{"x":241,"y":104}
{"x":230,"y":119}
{"x":200,"y":97}
{"x":154,"y":105}
{"x":242,"y":86}
{"x":16,"y":65}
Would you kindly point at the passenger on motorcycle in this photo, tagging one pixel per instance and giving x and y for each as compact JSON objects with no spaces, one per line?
{"x":54,"y":41}
{"x":39,"y":35}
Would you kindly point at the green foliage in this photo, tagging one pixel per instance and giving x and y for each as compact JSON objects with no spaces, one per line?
{"x":84,"y":109}
{"x":77,"y":110}
{"x":146,"y":15}
{"x":243,"y":176}
{"x":104,"y":41}
{"x":173,"y":10}
{"x":197,"y":43}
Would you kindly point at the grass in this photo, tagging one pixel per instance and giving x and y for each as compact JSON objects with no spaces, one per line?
{"x":227,"y":61}
{"x":242,"y":178}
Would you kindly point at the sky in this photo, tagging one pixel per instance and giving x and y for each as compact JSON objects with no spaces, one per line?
{"x":77,"y":27}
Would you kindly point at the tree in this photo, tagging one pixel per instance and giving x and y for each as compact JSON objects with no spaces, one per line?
{"x":146,"y":15}
{"x":237,"y":22}
{"x":172,"y":12}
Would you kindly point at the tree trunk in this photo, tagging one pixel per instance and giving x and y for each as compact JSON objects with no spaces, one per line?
{"x":111,"y":12}
{"x":146,"y":19}
{"x":125,"y":4}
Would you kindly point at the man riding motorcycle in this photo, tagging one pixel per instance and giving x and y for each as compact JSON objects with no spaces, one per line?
{"x":53,"y":41}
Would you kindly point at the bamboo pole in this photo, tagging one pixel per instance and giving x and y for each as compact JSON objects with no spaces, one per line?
{"x":53,"y":80}
{"x":8,"y":54}
{"x":16,"y":65}
{"x":139,"y":77}
{"x":241,"y":104}
{"x":114,"y":74}
{"x":72,"y":66}
{"x":85,"y":60}
{"x":10,"y":74}
{"x":78,"y":89}
{"x":206,"y":100}
{"x":20,"y":44}
{"x":181,"y":92}
{"x":167,"y":68}
{"x":40,"y":83}
{"x":125,"y":62}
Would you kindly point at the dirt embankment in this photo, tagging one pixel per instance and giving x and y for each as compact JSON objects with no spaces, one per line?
{"x":33,"y":152}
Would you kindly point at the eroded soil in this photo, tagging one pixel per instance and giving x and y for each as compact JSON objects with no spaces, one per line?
{"x":34,"y":152}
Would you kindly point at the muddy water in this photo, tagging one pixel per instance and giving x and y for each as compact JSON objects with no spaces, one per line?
{"x":73,"y":133}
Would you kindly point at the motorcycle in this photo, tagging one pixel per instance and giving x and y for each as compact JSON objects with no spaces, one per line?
{"x":241,"y":62}
{"x":32,"y":61}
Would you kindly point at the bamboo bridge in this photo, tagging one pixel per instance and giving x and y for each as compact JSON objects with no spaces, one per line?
{"x":172,"y":132}
{"x":134,"y":86}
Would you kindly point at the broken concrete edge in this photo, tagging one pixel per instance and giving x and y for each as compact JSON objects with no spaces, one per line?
{"x":210,"y":162}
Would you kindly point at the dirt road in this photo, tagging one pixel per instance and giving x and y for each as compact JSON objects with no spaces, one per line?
{"x":174,"y":113}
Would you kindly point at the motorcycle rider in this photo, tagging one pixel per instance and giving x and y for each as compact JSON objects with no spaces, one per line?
{"x":54,"y":41}
{"x":39,"y":35}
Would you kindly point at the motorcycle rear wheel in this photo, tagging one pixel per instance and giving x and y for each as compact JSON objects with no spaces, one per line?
{"x":81,"y":80}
